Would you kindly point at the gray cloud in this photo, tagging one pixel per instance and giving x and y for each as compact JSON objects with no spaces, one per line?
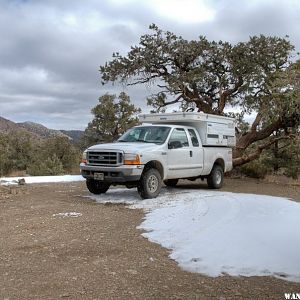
{"x":50,"y":51}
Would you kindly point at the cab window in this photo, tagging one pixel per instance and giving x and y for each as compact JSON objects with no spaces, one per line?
{"x":179,"y":135}
{"x":193,"y":137}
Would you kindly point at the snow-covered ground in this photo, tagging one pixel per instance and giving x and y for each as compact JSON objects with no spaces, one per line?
{"x":215,"y":232}
{"x":41,"y":179}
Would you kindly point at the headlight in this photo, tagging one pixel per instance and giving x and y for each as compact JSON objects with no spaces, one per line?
{"x":84,"y":157}
{"x":132,"y":159}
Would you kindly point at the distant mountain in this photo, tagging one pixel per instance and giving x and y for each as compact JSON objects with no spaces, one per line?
{"x":75,"y":135}
{"x":41,"y":130}
{"x":38,"y":130}
{"x":7,"y":125}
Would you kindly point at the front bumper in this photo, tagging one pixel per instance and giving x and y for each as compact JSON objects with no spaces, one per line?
{"x":119,"y":174}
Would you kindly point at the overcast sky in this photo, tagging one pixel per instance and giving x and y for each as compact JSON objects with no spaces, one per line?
{"x":51,"y":50}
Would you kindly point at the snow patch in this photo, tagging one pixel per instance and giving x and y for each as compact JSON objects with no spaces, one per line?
{"x":8,"y":183}
{"x":216,"y":233}
{"x":40,"y":179}
{"x":68,"y":214}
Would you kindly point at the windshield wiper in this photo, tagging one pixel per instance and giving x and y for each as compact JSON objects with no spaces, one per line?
{"x":142,"y":141}
{"x":137,"y":141}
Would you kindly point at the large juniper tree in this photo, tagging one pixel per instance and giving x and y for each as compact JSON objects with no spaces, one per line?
{"x":256,"y":76}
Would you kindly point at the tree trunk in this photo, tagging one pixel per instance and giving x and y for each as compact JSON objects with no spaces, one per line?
{"x":240,"y":158}
{"x":244,"y":141}
{"x":276,"y":155}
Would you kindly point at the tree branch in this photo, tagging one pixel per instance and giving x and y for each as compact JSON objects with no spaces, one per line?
{"x":256,"y":154}
{"x":173,"y":101}
{"x":254,"y":136}
{"x":225,"y":94}
{"x":139,"y":81}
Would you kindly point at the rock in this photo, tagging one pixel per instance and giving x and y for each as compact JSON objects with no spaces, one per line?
{"x":133,"y":272}
{"x":21,"y":181}
{"x":65,"y":295}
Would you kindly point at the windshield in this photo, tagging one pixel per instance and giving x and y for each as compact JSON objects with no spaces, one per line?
{"x":146,"y":134}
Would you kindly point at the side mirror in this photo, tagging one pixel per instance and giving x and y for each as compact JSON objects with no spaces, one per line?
{"x":174,"y":145}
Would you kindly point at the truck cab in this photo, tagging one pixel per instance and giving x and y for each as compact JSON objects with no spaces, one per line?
{"x":154,"y":153}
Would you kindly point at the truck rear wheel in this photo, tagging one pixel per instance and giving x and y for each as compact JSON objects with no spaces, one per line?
{"x":216,"y":177}
{"x":150,"y":184}
{"x":171,"y":182}
{"x":96,"y":186}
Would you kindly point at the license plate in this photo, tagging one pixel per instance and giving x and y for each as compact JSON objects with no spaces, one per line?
{"x":99,"y":176}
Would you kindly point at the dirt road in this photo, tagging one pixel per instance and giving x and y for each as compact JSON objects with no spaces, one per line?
{"x":101,"y":255}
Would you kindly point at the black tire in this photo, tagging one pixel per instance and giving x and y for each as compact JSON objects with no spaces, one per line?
{"x":150,"y":184}
{"x":216,"y":177}
{"x":96,"y":186}
{"x":171,"y":182}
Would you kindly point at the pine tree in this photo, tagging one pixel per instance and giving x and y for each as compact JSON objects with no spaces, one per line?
{"x":112,"y":117}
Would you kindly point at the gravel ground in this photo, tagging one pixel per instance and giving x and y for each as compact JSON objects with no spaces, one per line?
{"x":101,"y":255}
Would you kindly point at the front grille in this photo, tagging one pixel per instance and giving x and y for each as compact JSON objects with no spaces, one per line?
{"x":104,"y":158}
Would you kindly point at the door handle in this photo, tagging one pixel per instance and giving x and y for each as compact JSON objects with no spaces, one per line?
{"x":191,"y":153}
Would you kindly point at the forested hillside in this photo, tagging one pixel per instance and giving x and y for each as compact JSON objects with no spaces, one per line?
{"x":35,"y":149}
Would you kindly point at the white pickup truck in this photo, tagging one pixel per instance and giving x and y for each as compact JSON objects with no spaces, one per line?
{"x":165,"y":148}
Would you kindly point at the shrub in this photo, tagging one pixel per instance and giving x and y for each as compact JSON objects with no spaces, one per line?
{"x":49,"y":166}
{"x":15,"y":152}
{"x":5,"y":162}
{"x":255,"y":169}
{"x":62,"y":148}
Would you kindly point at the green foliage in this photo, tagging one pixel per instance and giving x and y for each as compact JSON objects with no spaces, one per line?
{"x":285,"y":101}
{"x":61,"y":148}
{"x":19,"y":151}
{"x":5,"y":162}
{"x":255,"y":169}
{"x":112,"y":117}
{"x":15,"y":151}
{"x":54,"y":156}
{"x":284,"y":158}
{"x":49,"y":166}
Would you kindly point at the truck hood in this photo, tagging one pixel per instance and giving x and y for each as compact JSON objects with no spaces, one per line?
{"x":126,"y":147}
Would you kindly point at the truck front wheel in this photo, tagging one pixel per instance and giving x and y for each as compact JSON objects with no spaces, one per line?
{"x":150,"y":184}
{"x":216,"y":177}
{"x":96,"y":186}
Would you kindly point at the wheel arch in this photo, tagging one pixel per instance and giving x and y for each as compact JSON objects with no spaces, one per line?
{"x":220,"y":162}
{"x":156,"y":165}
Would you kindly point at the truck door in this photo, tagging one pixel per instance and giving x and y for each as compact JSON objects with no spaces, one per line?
{"x":178,"y":155}
{"x":196,"y":153}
